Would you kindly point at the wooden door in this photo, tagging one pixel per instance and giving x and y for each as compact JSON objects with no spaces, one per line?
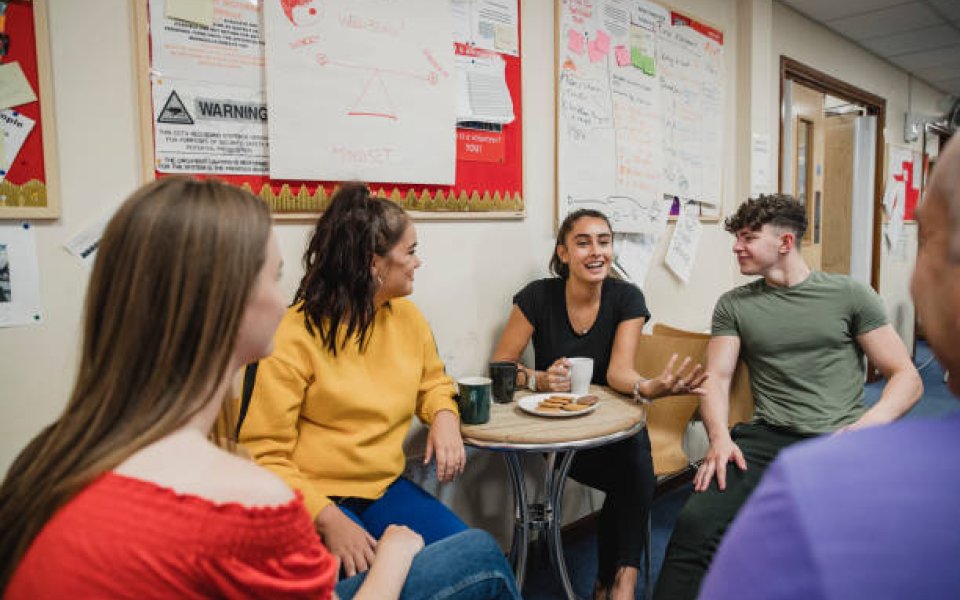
{"x":807,"y":121}
{"x":837,"y":193}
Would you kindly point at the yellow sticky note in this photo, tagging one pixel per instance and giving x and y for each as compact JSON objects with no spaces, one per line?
{"x":195,"y":11}
{"x":14,"y":87}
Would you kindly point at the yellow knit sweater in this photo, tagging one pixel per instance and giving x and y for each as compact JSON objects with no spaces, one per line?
{"x":334,"y":426}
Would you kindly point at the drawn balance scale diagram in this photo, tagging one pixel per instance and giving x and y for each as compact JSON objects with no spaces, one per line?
{"x":374,"y":98}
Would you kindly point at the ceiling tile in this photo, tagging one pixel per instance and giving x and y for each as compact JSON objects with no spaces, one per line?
{"x":889,"y":21}
{"x":951,"y":86}
{"x":948,"y":8}
{"x":936,"y":74}
{"x":947,"y":56}
{"x":928,"y":38}
{"x":827,"y":10}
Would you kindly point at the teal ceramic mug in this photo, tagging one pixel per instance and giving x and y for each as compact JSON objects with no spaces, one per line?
{"x":474,"y":400}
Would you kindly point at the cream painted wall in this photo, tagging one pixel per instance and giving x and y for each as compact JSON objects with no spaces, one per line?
{"x":471,"y":269}
{"x":799,"y":38}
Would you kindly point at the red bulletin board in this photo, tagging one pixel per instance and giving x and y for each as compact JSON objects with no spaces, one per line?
{"x":489,"y":168}
{"x":29,"y":190}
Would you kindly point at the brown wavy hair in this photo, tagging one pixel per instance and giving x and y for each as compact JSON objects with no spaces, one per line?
{"x":338,"y":287}
{"x":780,"y":210}
{"x":172,"y":277}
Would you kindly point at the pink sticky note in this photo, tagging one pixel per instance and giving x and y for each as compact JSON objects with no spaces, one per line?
{"x":596,"y":55}
{"x":623,"y":56}
{"x":603,"y":41}
{"x":574,"y":41}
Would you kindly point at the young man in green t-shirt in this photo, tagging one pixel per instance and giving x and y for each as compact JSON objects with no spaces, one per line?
{"x":803,"y":335}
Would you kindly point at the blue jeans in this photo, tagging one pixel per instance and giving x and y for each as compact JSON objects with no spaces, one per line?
{"x":466,"y":566}
{"x":404,"y":503}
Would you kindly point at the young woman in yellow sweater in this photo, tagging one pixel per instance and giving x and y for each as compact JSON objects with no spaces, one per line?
{"x":354,"y":361}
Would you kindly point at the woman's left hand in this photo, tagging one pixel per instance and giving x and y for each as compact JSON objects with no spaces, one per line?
{"x":445,"y":442}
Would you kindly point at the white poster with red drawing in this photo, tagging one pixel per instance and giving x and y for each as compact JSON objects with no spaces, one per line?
{"x":361,"y":89}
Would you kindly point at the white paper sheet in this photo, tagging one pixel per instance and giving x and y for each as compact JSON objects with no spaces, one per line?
{"x":366,"y":91}
{"x":495,"y":25}
{"x":19,"y":276}
{"x":14,"y":87}
{"x":209,"y":128}
{"x":14,"y":129}
{"x":634,"y":255}
{"x":482,"y":90}
{"x":683,"y":245}
{"x":759,"y":165}
{"x":229,"y":51}
{"x":84,"y":244}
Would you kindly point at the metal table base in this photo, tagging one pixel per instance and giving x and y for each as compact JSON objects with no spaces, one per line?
{"x":543,"y":516}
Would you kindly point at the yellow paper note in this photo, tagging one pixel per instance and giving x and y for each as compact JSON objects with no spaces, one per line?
{"x":14,"y":87}
{"x":195,"y":11}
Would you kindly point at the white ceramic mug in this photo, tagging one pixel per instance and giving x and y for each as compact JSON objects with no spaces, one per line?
{"x":581,"y":372}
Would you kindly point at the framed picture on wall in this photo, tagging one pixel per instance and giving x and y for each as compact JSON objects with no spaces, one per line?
{"x":28,"y":173}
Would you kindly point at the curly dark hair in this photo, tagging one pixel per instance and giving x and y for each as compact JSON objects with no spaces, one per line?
{"x":338,"y":286}
{"x":557,"y":266}
{"x":780,"y":210}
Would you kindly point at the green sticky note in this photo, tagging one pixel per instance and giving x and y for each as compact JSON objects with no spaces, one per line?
{"x":195,"y":11}
{"x":649,"y":65}
{"x":636,"y":57}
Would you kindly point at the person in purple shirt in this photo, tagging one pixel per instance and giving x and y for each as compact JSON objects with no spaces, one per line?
{"x":872,"y":513}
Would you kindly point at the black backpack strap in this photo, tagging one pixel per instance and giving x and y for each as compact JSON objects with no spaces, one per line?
{"x":249,"y":376}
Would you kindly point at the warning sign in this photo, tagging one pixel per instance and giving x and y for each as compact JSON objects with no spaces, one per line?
{"x":174,"y":111}
{"x":209,"y":128}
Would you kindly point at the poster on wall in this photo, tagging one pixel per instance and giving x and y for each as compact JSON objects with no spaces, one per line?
{"x":204,"y":74}
{"x":207,"y":84}
{"x":362,"y":90}
{"x":19,"y":276}
{"x":640,"y":99}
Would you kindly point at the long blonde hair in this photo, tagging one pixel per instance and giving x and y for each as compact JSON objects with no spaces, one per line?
{"x":173,"y":273}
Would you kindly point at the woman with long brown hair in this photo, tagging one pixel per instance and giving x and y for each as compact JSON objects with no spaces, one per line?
{"x":124,"y":495}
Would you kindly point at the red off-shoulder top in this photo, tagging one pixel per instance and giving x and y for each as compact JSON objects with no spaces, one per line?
{"x":128,"y":538}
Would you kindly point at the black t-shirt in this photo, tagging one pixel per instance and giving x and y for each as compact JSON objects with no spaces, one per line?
{"x":544,"y":304}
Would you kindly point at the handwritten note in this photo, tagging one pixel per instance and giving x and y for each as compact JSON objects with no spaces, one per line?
{"x":14,"y":87}
{"x":683,"y":245}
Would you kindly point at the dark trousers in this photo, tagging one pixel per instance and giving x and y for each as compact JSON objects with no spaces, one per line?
{"x":706,"y":516}
{"x":624,"y":472}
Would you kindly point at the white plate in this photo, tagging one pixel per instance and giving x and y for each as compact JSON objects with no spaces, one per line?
{"x":529,"y":404}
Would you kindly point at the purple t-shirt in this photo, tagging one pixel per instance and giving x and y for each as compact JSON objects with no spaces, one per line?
{"x":869,"y":514}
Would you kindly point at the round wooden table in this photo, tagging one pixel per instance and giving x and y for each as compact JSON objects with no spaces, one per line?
{"x":513,"y":431}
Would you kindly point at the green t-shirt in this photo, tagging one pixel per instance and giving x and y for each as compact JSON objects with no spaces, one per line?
{"x":806,"y":367}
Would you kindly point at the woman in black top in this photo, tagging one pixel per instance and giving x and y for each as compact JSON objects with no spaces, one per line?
{"x":583,"y":312}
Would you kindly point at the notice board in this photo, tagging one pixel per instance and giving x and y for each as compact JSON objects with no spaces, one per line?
{"x":640,"y":97}
{"x":29,"y":185}
{"x":205,"y":112}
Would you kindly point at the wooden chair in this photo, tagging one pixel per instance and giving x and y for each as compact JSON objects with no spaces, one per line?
{"x":667,"y":418}
{"x":741,"y":396}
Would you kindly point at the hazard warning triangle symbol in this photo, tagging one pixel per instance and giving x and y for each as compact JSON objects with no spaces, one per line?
{"x":174,"y":112}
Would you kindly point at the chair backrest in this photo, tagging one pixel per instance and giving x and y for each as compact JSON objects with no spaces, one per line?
{"x":667,"y":418}
{"x":741,"y":395}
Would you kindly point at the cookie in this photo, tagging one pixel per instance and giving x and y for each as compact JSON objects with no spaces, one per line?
{"x":588,"y":400}
{"x":573,"y":407}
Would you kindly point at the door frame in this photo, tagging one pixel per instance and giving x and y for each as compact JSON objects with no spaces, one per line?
{"x":797,"y":72}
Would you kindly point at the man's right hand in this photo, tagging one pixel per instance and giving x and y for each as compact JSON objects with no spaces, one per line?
{"x":720,"y":453}
{"x":345,"y":539}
